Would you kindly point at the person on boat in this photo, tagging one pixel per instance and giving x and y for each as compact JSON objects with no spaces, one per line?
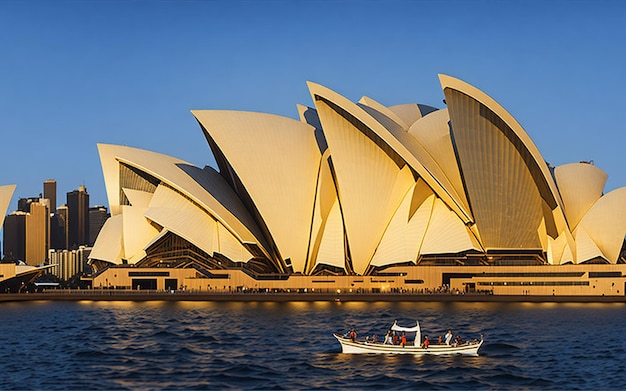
{"x":374,"y":338}
{"x":448,"y":337}
{"x":439,"y":340}
{"x":387,"y":338}
{"x":394,"y":339}
{"x":458,"y":340}
{"x":426,"y":342}
{"x":352,"y":335}
{"x":403,"y":339}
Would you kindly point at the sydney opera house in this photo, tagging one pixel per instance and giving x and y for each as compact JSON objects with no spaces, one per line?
{"x":362,"y":196}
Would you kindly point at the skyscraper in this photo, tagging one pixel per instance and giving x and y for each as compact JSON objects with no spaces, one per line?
{"x":15,"y":236}
{"x":27,"y":234}
{"x":50,"y":192}
{"x":37,"y":233}
{"x":78,"y":217}
{"x":97,"y":216}
{"x":58,"y":229}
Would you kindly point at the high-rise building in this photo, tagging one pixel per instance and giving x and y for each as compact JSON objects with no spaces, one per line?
{"x":97,"y":216}
{"x":27,"y":232}
{"x":50,"y":192}
{"x":37,"y":233}
{"x":78,"y":217}
{"x":15,"y":236}
{"x":58,"y":229}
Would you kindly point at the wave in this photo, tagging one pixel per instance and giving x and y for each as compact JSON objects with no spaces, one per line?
{"x":241,"y":346}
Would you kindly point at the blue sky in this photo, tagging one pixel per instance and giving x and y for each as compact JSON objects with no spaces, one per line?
{"x":77,"y":73}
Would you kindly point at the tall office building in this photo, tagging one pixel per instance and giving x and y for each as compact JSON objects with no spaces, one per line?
{"x":50,"y":192}
{"x":58,"y":229}
{"x":37,"y":233}
{"x":14,"y":236}
{"x":97,"y":216}
{"x":26,"y":232}
{"x":78,"y":217}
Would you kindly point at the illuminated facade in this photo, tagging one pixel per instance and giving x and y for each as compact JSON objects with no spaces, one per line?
{"x":356,"y":188}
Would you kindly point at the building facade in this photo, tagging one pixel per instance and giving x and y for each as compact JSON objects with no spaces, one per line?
{"x":26,"y":234}
{"x":98,"y":215}
{"x":58,"y":228}
{"x":50,"y":192}
{"x":14,"y":237}
{"x":68,"y":263}
{"x":37,"y":233}
{"x":586,"y":280}
{"x":78,"y":218}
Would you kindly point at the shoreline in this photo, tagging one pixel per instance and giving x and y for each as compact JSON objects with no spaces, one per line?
{"x":300,"y":297}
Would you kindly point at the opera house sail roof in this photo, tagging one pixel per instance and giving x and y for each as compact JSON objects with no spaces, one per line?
{"x":353,"y":187}
{"x":6,"y":192}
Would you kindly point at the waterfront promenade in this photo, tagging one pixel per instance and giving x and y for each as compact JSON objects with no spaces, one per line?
{"x":149,"y":295}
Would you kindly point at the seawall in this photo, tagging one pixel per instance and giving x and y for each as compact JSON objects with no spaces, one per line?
{"x":114,"y":295}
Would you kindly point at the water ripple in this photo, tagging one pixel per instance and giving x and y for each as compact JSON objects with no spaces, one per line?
{"x":261,"y":346}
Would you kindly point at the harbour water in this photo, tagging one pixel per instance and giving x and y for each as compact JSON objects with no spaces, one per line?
{"x":205,"y":345}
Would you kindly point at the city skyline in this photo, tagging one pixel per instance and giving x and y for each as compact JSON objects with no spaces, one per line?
{"x":51,"y":233}
{"x":36,"y":229}
{"x":129,"y":73}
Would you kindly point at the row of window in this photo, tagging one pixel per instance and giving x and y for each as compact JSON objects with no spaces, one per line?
{"x":534,"y":283}
{"x":148,"y":274}
{"x":536,"y":274}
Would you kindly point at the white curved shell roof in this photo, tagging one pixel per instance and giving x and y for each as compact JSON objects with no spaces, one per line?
{"x":277,"y":160}
{"x":220,"y":204}
{"x":109,"y":245}
{"x":362,"y":186}
{"x":506,"y":179}
{"x":605,"y":224}
{"x":6,"y":192}
{"x":580,"y":185}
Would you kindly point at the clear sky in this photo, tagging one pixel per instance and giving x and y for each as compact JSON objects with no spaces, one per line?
{"x":77,"y":73}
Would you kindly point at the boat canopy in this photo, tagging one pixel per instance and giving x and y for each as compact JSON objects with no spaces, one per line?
{"x":418,"y":334}
{"x":415,"y":329}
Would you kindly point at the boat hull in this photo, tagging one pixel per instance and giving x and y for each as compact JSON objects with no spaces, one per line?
{"x":360,"y":347}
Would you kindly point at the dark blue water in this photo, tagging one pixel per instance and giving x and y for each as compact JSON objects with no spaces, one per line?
{"x":189,"y":345}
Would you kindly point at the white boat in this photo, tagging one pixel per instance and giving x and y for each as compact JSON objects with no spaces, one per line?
{"x":416,"y":348}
